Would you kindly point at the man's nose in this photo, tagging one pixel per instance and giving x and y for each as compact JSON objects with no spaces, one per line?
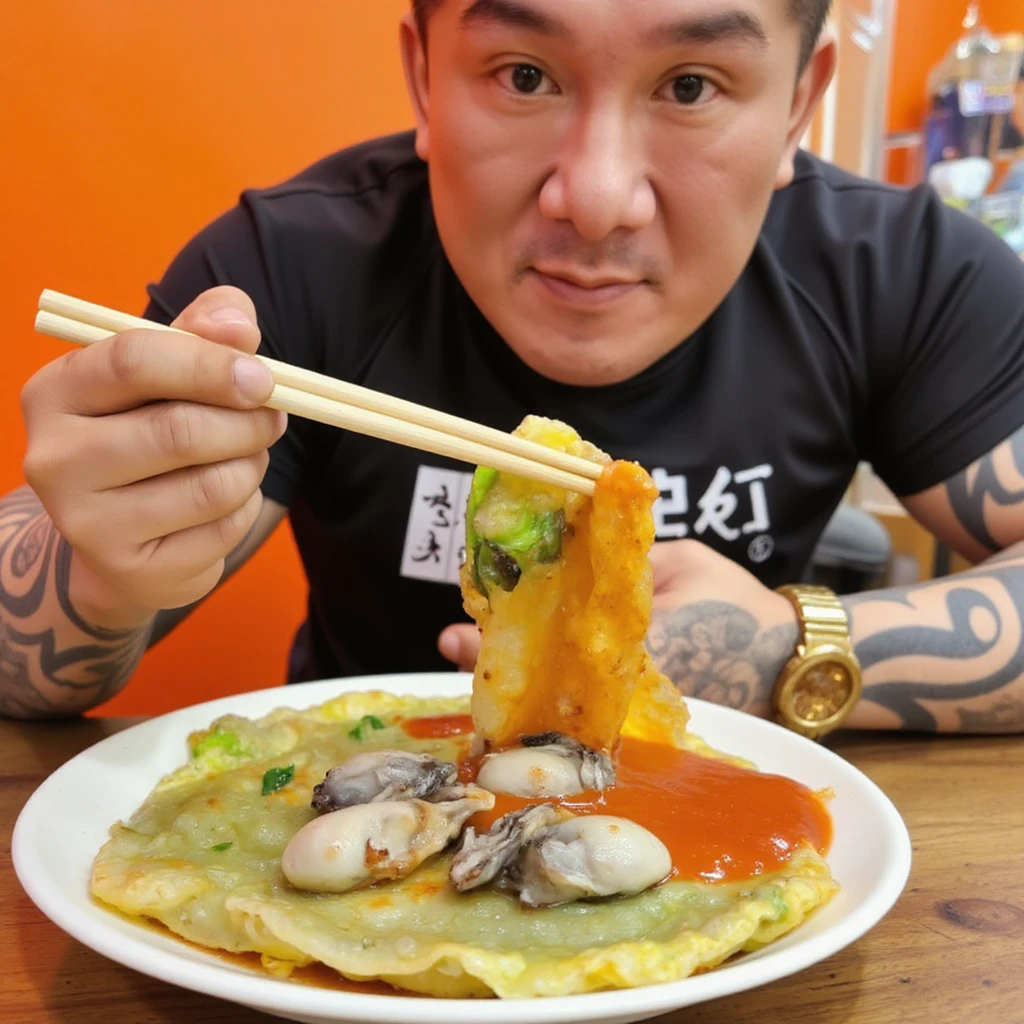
{"x":600,"y":183}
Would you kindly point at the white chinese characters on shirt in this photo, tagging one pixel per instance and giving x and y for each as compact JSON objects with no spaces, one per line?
{"x":434,"y":542}
{"x":718,"y":507}
{"x":435,"y":538}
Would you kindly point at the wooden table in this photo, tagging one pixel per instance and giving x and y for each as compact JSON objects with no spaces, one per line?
{"x":952,"y":949}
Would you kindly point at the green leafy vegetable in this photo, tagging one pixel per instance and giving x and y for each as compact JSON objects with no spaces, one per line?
{"x":521,"y":540}
{"x":222,"y":740}
{"x":277,"y":778}
{"x":221,"y":847}
{"x":483,"y":481}
{"x":367,"y":721}
{"x":506,"y":534}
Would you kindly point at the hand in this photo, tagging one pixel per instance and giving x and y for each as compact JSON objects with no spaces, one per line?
{"x":716,"y":631}
{"x":147,"y":451}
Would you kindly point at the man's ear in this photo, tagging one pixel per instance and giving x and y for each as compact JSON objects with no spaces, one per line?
{"x":810,"y":89}
{"x":414,"y":63}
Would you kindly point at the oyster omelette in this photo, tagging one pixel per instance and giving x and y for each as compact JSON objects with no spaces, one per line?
{"x":559,"y":831}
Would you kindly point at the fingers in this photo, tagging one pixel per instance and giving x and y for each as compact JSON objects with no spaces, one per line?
{"x":155,"y":508}
{"x":147,"y":450}
{"x":199,"y":551}
{"x":136,"y":367}
{"x":117,"y":450}
{"x":460,"y":644}
{"x":140,"y":366}
{"x":167,"y":572}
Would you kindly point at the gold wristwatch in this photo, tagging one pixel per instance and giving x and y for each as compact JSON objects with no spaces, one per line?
{"x":819,"y":686}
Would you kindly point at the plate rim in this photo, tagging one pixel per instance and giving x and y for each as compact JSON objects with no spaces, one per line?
{"x":272,"y":995}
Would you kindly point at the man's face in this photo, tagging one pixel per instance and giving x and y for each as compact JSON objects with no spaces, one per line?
{"x":600,"y":169}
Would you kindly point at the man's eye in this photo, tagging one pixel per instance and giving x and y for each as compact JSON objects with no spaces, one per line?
{"x":689,"y":90}
{"x":525,"y":79}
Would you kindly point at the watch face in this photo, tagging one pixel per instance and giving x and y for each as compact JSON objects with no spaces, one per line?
{"x":824,"y":690}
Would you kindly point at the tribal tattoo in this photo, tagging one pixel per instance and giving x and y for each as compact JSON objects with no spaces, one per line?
{"x":979,"y":487}
{"x":39,"y":675}
{"x":716,"y":651}
{"x":980,"y":643}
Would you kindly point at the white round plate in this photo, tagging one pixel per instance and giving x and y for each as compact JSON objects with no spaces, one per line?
{"x":66,"y":821}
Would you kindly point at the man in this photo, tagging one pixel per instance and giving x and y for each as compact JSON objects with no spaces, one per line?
{"x":602,"y":216}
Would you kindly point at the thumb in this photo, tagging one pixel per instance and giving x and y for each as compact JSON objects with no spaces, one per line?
{"x":223,"y":314}
{"x":460,"y":644}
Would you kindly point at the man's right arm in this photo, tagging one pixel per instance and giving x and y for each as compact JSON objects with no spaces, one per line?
{"x":54,"y":663}
{"x":144,"y":462}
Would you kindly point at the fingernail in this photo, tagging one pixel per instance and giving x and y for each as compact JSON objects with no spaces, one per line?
{"x":252,"y":379}
{"x":228,"y":315}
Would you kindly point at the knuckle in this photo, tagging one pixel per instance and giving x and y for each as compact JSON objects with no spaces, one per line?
{"x":42,"y":466}
{"x":126,"y":356}
{"x":33,"y":468}
{"x":176,"y":429}
{"x":200,"y":368}
{"x":28,"y":396}
{"x":210,"y":487}
{"x":234,"y":527}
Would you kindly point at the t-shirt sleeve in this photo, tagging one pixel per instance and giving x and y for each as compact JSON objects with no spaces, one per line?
{"x":229,"y":251}
{"x":948,"y":354}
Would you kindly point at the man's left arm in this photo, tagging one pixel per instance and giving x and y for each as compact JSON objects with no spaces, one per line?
{"x":948,"y":655}
{"x":944,"y":655}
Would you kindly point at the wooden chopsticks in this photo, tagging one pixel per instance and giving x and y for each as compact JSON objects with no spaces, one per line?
{"x":316,"y":396}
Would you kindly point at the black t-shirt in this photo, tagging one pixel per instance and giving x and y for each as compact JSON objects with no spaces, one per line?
{"x":870,"y":324}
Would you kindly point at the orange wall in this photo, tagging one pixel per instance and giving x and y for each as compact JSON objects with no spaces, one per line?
{"x":125,"y":126}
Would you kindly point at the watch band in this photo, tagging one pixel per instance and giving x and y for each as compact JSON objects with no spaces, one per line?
{"x":821,"y":683}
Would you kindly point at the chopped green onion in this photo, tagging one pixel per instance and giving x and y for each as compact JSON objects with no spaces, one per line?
{"x":367,"y":720}
{"x":220,"y":739}
{"x":221,"y":847}
{"x":277,"y":778}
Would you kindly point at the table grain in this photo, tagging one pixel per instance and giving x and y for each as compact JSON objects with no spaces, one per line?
{"x":951,"y":950}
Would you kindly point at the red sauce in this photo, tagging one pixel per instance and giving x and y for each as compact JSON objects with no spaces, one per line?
{"x":438,"y":726}
{"x":720,"y":822}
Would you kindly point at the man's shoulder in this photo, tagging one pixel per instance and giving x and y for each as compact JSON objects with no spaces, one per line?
{"x":840,"y":238}
{"x":351,"y":235}
{"x":364,"y":168}
{"x":826,"y":204}
{"x":378,"y":180}
{"x":332,"y":251}
{"x":809,"y":169}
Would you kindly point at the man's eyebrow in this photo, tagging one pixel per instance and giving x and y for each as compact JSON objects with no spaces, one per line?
{"x":731,"y":26}
{"x":513,"y":13}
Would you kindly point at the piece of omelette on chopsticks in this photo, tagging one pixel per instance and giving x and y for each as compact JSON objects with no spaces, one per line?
{"x":561,"y":831}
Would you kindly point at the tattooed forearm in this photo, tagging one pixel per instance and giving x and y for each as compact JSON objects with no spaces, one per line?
{"x":52,"y":662}
{"x":946,"y":655}
{"x":717,"y":651}
{"x":996,"y":480}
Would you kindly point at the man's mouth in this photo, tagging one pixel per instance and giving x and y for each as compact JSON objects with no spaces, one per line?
{"x":585,"y":291}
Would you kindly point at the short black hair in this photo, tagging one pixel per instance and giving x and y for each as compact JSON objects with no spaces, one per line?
{"x":810,"y":14}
